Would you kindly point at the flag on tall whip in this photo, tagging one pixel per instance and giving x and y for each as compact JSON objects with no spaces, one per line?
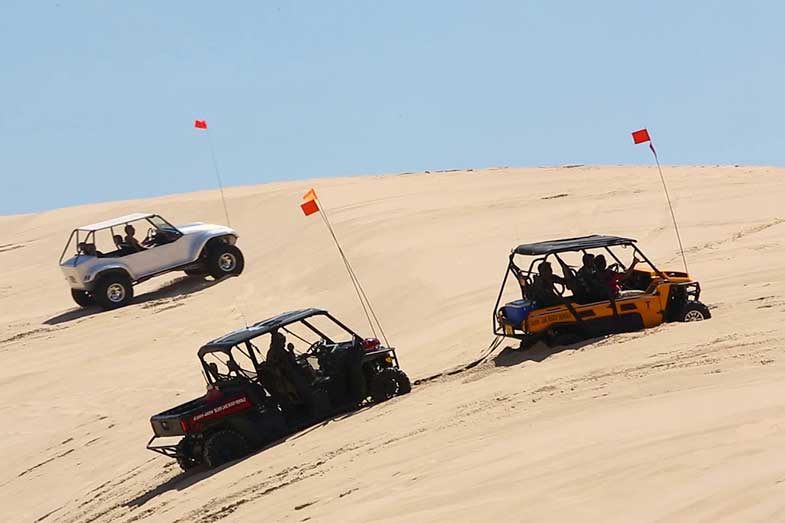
{"x":200,"y":124}
{"x":310,"y":195}
{"x":642,"y":136}
{"x":309,"y":206}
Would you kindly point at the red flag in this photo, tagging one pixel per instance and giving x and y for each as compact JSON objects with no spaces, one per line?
{"x":641,"y":136}
{"x":310,"y":195}
{"x":200,"y":124}
{"x":309,"y":207}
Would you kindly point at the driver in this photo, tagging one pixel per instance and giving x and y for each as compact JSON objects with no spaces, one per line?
{"x":610,"y":279}
{"x":132,"y":242}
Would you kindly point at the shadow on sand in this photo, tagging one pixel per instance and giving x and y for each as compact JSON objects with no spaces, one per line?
{"x":185,"y":480}
{"x":183,"y":286}
{"x":511,"y":356}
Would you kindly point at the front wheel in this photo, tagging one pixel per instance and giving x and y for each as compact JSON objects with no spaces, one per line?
{"x":82,"y":298}
{"x":694,"y":311}
{"x":388,"y":383}
{"x":113,"y":291}
{"x":224,"y":260}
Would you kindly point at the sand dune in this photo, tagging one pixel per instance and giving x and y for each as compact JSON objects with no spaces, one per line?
{"x":684,"y":422}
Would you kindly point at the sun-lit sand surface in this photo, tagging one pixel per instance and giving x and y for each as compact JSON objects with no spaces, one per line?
{"x":685,"y":422}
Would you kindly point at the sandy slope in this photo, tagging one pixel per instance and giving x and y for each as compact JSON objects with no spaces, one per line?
{"x":683,"y":422}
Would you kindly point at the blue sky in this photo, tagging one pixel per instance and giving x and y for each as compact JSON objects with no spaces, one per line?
{"x":99,"y":98}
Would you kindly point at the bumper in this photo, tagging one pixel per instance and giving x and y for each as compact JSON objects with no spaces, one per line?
{"x":170,"y":451}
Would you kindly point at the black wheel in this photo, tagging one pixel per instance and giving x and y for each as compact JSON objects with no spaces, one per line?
{"x":224,"y":260}
{"x":82,"y":298}
{"x":224,"y":446}
{"x":564,"y":338}
{"x":388,"y":383}
{"x":113,"y":291}
{"x":694,"y":311}
{"x":185,"y":457}
{"x":404,"y":384}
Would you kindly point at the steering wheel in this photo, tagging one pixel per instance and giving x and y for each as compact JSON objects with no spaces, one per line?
{"x":315,"y":346}
{"x":150,"y":236}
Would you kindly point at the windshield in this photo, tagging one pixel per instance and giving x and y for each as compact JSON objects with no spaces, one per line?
{"x":160,"y":223}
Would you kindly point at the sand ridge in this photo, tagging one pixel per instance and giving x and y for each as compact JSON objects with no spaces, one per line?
{"x":681,"y":422}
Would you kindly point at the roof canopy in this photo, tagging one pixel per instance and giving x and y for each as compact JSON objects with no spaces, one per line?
{"x":226,"y":342}
{"x":594,"y":241}
{"x":122,"y":220}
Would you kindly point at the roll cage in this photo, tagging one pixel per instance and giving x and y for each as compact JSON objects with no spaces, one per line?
{"x":85,"y":235}
{"x":228,"y":347}
{"x":543,"y":251}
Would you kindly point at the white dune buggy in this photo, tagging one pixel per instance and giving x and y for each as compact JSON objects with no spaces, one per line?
{"x":106,"y":262}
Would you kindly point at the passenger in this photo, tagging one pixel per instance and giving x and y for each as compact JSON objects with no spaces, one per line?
{"x":541,"y":290}
{"x":88,"y":249}
{"x":585,"y":280}
{"x":285,"y":364}
{"x":132,"y":243}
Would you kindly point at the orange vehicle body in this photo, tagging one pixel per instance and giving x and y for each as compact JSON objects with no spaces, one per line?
{"x":651,"y":298}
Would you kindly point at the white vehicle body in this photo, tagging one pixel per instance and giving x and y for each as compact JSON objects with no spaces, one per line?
{"x":182,"y":248}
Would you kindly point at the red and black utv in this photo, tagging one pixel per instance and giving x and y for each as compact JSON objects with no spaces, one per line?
{"x":253,"y":399}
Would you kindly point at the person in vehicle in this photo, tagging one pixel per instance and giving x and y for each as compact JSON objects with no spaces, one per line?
{"x":132,"y":243}
{"x":122,"y":247}
{"x":88,"y":249}
{"x":585,"y":280}
{"x":611,"y":280}
{"x":285,"y":366}
{"x":542,"y":289}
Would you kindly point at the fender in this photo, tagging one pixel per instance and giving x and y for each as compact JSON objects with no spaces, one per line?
{"x":103,"y":270}
{"x":199,"y":236}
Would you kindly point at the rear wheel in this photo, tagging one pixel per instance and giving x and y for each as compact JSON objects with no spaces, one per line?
{"x":113,"y":291}
{"x":82,"y":298}
{"x":185,"y":457}
{"x":224,"y":260}
{"x":564,"y":338}
{"x":224,"y":446}
{"x":694,"y":311}
{"x":388,"y":383}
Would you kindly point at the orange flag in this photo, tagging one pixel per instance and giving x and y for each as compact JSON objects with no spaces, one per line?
{"x":200,"y":124}
{"x":310,"y":195}
{"x":309,"y":207}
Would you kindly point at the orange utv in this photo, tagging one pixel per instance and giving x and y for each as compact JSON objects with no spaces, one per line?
{"x":640,"y":298}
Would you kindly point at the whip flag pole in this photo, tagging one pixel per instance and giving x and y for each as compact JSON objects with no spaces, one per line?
{"x":202,"y":124}
{"x":642,"y":136}
{"x":311,"y":205}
